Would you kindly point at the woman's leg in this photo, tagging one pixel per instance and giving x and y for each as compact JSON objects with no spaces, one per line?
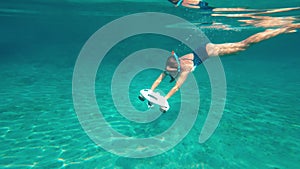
{"x":231,"y":48}
{"x":266,"y":35}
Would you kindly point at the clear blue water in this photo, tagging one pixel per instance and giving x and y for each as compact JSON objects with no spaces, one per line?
{"x":40,"y":42}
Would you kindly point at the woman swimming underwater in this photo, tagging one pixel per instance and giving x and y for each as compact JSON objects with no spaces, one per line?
{"x":180,"y":67}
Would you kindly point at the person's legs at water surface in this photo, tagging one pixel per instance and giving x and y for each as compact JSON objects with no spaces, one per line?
{"x":191,"y":4}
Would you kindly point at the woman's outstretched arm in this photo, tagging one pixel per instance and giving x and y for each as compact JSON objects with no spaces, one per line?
{"x":158,"y":80}
{"x":182,"y":77}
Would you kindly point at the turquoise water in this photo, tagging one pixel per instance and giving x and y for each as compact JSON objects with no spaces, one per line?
{"x":39,"y":128}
